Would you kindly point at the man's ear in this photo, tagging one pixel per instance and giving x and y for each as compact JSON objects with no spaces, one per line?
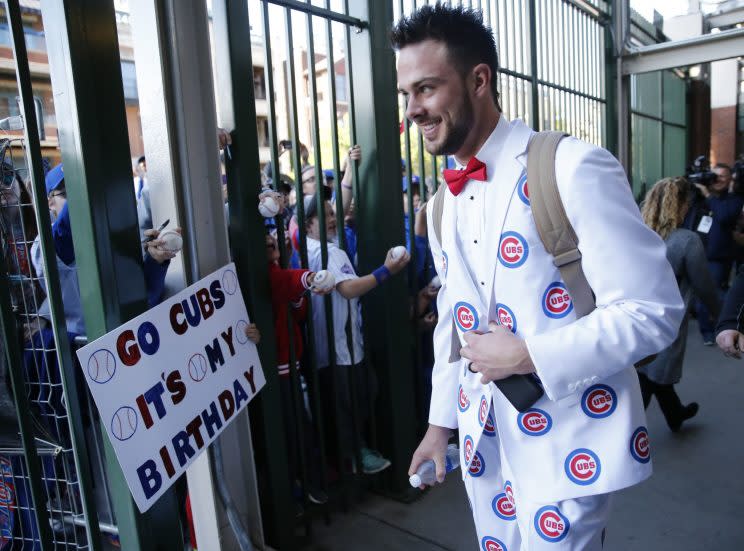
{"x":481,"y":79}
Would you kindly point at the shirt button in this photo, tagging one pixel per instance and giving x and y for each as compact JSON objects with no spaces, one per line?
{"x":472,"y":198}
{"x":475,"y":241}
{"x":483,"y":283}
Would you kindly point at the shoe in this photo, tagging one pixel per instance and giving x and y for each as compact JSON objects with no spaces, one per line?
{"x":708,"y":341}
{"x":688,"y":412}
{"x":373,"y":462}
{"x":317,"y":496}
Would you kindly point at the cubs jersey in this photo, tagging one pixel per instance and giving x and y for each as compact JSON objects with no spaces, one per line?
{"x":587,"y":434}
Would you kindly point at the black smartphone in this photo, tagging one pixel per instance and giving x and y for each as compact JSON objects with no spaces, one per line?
{"x":522,"y":391}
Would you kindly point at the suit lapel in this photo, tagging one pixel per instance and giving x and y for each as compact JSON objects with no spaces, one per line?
{"x":505,"y":169}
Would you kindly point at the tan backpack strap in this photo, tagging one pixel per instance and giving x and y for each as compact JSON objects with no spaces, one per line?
{"x":552,"y":224}
{"x":437,"y":204}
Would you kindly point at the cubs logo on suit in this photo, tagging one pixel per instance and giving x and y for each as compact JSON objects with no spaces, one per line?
{"x":542,"y":478}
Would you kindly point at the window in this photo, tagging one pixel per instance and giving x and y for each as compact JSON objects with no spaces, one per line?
{"x":262,"y":125}
{"x":259,"y":83}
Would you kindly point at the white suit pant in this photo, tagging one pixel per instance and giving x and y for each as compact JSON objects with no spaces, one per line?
{"x":507,"y":520}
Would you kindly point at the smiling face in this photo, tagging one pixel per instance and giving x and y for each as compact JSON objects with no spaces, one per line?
{"x":439,"y":99}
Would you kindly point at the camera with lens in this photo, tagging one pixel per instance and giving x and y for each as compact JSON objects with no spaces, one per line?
{"x":700,"y":172}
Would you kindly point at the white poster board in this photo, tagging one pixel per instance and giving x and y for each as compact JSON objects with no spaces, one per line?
{"x":168,"y":382}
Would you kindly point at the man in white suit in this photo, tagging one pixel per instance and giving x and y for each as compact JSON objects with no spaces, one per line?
{"x":541,"y":479}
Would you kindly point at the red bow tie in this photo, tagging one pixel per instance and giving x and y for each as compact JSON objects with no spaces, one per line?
{"x":456,"y":179}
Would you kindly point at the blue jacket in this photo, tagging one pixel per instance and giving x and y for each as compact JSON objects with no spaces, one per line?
{"x":719,"y":243}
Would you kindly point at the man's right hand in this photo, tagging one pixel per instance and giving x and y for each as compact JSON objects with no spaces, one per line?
{"x":433,"y":446}
{"x":731,"y":342}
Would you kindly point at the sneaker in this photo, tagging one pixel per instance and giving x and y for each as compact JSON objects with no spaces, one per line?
{"x":317,"y":496}
{"x":707,"y":341}
{"x":373,"y":462}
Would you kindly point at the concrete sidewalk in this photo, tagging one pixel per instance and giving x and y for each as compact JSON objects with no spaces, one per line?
{"x":694,"y":501}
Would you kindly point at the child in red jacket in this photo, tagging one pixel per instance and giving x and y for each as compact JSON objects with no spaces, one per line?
{"x":288,"y":288}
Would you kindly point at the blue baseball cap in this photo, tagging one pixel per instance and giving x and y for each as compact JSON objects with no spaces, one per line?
{"x":54,"y":178}
{"x":329,"y":174}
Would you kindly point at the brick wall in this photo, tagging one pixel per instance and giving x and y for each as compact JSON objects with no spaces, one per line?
{"x":723,"y":135}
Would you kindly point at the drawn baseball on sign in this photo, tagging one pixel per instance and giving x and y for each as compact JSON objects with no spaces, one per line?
{"x":101,"y":366}
{"x":197,"y":367}
{"x":124,"y":423}
{"x":240,"y":331}
{"x":230,"y":282}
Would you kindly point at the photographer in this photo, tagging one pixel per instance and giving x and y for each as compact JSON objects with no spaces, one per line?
{"x":714,"y":216}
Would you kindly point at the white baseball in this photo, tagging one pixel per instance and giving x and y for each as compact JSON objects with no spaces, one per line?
{"x":172,"y":241}
{"x":268,"y":207}
{"x":435,"y":282}
{"x":398,"y":252}
{"x":323,"y":281}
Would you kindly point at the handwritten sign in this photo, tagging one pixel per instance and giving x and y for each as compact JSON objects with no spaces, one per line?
{"x":169,"y":381}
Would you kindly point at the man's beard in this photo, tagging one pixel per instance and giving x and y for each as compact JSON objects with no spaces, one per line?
{"x":458,"y":133}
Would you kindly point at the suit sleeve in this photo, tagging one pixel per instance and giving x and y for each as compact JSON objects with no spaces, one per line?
{"x":733,"y":306}
{"x":444,"y":376}
{"x":639,"y":307}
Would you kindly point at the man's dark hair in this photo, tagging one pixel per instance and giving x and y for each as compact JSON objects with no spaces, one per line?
{"x":141,"y":160}
{"x":469,"y":41}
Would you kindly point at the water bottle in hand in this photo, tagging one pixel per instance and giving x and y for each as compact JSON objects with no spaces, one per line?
{"x":427,"y":471}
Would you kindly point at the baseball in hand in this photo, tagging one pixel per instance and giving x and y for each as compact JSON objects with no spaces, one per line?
{"x":435,"y":282}
{"x":268,"y":207}
{"x":172,"y":241}
{"x":398,"y":252}
{"x":323,"y":281}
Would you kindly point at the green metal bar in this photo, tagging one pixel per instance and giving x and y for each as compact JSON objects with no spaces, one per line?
{"x":587,"y":9}
{"x":380,"y":226}
{"x":273,"y":138}
{"x":250,"y":259}
{"x":292,"y":104}
{"x":23,"y":408}
{"x":331,"y":72}
{"x":533,"y":66}
{"x":325,"y":13}
{"x":352,"y":108}
{"x":409,"y":205}
{"x":609,"y":82}
{"x":54,"y":292}
{"x":92,"y":128}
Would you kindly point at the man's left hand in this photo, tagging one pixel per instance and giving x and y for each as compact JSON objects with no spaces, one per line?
{"x":496,"y":354}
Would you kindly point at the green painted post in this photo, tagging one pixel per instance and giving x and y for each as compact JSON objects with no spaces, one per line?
{"x":380,"y":222}
{"x":89,"y":103}
{"x":248,"y":247}
{"x":610,"y":82}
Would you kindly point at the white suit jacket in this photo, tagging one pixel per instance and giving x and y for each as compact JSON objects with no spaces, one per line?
{"x":587,"y":434}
